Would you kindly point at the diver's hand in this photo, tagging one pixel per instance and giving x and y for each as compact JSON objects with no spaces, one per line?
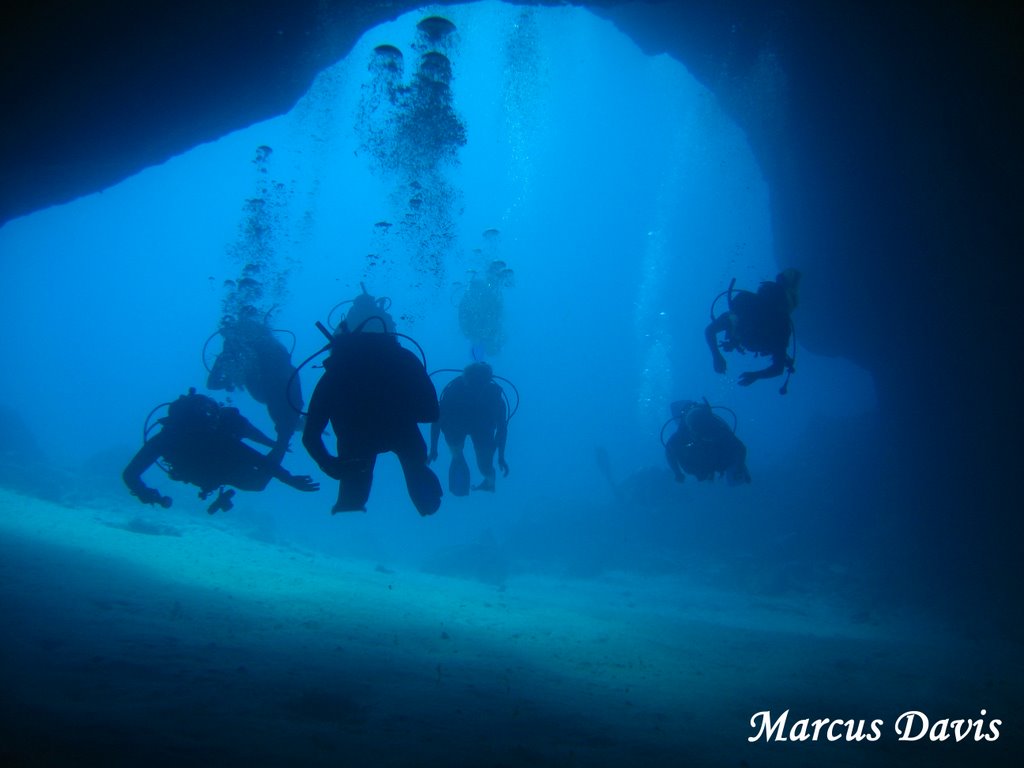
{"x":303,"y":483}
{"x":719,"y":362}
{"x":747,"y":378}
{"x":503,"y":466}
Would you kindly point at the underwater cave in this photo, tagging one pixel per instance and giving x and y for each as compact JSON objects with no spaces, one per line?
{"x":562,"y":190}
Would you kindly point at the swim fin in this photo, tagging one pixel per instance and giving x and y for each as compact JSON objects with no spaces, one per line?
{"x":223,"y":501}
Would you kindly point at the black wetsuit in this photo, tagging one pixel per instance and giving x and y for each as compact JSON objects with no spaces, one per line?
{"x":476,"y":411}
{"x":704,"y":446}
{"x":210,"y":455}
{"x":374,"y":393}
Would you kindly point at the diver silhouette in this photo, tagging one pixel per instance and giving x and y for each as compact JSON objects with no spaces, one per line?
{"x":253,"y":359}
{"x":200,"y":443}
{"x":704,"y":445}
{"x":472,"y":405}
{"x":760,"y":323}
{"x":374,"y":393}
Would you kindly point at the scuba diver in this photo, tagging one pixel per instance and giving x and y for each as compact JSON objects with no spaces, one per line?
{"x":704,"y":445}
{"x":200,"y":443}
{"x":759,"y":322}
{"x":374,"y":393}
{"x":472,"y":405}
{"x":482,"y":307}
{"x":253,"y":359}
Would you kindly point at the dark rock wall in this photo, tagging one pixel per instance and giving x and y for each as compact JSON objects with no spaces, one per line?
{"x":890,"y":144}
{"x":894,"y":162}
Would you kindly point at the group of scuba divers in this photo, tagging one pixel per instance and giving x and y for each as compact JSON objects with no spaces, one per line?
{"x":704,"y":444}
{"x":375,"y":393}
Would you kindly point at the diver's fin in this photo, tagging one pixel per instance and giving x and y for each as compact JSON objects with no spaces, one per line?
{"x":424,"y":489}
{"x":223,"y":501}
{"x":339,"y":507}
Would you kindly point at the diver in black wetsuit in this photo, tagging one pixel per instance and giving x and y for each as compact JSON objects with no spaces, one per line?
{"x":472,"y":405}
{"x":760,"y":323}
{"x":703,"y":445}
{"x":201,"y":443}
{"x":374,"y":393}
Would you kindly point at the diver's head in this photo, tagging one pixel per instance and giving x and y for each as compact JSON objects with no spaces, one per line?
{"x":478,"y":373}
{"x":789,"y":279}
{"x":369,"y":314}
{"x":250,"y":314}
{"x":682,"y":407}
{"x":193,"y":412}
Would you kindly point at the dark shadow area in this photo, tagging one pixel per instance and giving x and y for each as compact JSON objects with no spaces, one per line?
{"x":108,"y":664}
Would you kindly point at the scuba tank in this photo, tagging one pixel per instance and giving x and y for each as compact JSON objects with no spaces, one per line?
{"x":363,"y":308}
{"x":366,"y":315}
{"x":511,"y":403}
{"x":681,"y":418}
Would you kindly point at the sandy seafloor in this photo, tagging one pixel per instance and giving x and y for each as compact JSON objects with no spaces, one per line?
{"x":138,"y":638}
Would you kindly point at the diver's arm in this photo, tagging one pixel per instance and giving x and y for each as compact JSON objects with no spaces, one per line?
{"x":259,"y":437}
{"x":500,"y":421}
{"x":233,"y":423}
{"x":145,"y":458}
{"x":500,"y":437}
{"x":422,"y":393}
{"x":313,"y":433}
{"x":435,"y":434}
{"x":715,"y":327}
{"x":250,"y":431}
{"x":777,"y":367}
{"x":673,"y":464}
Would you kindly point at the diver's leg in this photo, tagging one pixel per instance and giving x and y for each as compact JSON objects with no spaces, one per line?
{"x":423,"y":486}
{"x":356,"y":462}
{"x":284,"y":409}
{"x":354,"y":485}
{"x":484,"y":446}
{"x":458,"y":470}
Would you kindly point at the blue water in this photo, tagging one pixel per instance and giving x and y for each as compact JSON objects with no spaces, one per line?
{"x":624,"y":200}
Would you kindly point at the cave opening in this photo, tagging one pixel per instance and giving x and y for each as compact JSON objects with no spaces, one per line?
{"x":604,"y":198}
